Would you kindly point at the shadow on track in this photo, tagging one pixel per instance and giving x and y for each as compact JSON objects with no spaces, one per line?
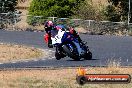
{"x":95,"y":59}
{"x":83,"y":60}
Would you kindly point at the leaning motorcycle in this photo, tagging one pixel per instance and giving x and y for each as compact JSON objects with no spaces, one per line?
{"x":67,"y":45}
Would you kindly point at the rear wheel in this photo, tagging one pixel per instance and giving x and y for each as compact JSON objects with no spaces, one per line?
{"x":88,"y":56}
{"x":77,"y":58}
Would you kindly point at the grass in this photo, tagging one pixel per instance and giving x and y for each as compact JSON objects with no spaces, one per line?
{"x":52,"y":78}
{"x":9,"y":52}
{"x":58,"y":78}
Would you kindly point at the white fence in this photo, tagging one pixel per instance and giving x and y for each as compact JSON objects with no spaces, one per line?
{"x":16,"y":21}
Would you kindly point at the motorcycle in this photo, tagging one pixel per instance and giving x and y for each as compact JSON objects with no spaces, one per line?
{"x":67,"y":45}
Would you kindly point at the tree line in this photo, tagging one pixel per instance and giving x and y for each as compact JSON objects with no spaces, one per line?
{"x":117,"y":10}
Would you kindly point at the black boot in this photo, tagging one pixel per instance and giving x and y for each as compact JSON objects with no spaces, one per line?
{"x":82,"y":42}
{"x":50,"y":44}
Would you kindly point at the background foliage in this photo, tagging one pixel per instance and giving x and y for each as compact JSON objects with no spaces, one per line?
{"x":117,"y":10}
{"x":7,"y":5}
{"x":56,"y":8}
{"x":87,"y":11}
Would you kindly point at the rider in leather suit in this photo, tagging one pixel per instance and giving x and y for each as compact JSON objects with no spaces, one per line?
{"x":49,"y":25}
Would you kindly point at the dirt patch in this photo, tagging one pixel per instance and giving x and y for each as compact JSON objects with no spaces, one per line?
{"x":81,"y":30}
{"x":10,"y":52}
{"x":60,"y":78}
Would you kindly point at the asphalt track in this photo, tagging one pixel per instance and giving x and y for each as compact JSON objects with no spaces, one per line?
{"x":104,"y":49}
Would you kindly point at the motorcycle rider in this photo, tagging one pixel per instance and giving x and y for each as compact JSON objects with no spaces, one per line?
{"x":49,"y":26}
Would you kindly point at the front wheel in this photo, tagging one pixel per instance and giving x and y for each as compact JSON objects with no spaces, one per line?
{"x":88,"y":56}
{"x":70,"y":53}
{"x":57,"y":54}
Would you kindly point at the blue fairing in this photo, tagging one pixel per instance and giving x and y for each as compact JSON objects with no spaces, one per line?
{"x":61,"y":26}
{"x":65,"y":38}
{"x":68,"y":39}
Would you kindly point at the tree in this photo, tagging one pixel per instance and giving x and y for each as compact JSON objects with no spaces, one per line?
{"x":117,"y":10}
{"x":8,"y":13}
{"x":7,"y":5}
{"x":87,"y":10}
{"x":56,"y":8}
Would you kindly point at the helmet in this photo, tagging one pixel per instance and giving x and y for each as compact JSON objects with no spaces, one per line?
{"x":49,"y":23}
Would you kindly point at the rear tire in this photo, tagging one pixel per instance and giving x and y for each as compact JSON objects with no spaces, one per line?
{"x":88,"y":56}
{"x":76,"y":57}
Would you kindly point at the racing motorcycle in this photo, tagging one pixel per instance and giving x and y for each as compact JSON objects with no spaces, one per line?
{"x":67,"y":45}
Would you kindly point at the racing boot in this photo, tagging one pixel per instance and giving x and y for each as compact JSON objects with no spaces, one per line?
{"x":50,"y":43}
{"x":80,"y":41}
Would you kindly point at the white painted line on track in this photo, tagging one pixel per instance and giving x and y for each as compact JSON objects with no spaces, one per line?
{"x":35,"y":60}
{"x":43,"y":59}
{"x":51,"y":57}
{"x":1,"y":63}
{"x":14,"y":62}
{"x":49,"y":50}
{"x":26,"y":61}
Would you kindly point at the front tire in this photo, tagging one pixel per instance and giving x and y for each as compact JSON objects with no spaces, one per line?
{"x":58,"y":56}
{"x":70,"y":53}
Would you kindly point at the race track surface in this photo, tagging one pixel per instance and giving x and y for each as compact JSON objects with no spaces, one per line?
{"x":104,"y":49}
